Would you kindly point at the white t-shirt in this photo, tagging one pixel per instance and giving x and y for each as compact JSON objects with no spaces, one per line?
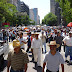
{"x":22,"y":39}
{"x":43,"y":38}
{"x":36,"y":43}
{"x":9,"y":33}
{"x":68,"y":40}
{"x":53,"y":62}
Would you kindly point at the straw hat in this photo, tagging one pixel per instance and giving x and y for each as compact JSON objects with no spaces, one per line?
{"x":15,"y":43}
{"x":53,"y":43}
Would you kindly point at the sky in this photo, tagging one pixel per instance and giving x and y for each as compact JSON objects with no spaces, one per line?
{"x":42,"y":5}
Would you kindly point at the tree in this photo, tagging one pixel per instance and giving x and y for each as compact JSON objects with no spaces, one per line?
{"x":7,"y":11}
{"x":50,"y":19}
{"x":66,"y":6}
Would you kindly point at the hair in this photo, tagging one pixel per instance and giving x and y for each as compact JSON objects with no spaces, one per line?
{"x":21,"y":33}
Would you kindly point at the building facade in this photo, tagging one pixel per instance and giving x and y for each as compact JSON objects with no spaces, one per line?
{"x":52,"y":6}
{"x":55,"y":9}
{"x":24,"y":8}
{"x":31,"y":14}
{"x":34,"y":15}
{"x":16,"y":3}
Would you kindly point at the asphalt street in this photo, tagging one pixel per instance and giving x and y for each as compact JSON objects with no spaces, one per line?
{"x":31,"y":65}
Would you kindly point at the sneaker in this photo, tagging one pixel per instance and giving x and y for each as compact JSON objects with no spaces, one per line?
{"x":67,"y":61}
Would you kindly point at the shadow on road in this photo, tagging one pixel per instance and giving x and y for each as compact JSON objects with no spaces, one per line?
{"x":3,"y":66}
{"x":37,"y":68}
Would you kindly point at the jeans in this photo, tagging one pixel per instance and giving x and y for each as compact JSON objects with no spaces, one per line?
{"x":44,"y":44}
{"x":16,"y":71}
{"x":9,"y":38}
{"x":68,"y":52}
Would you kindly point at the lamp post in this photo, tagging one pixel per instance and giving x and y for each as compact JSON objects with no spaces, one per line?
{"x":61,"y":14}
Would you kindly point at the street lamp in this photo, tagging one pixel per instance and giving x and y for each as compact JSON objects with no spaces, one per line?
{"x":61,"y":14}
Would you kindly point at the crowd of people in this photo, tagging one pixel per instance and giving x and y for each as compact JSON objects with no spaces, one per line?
{"x":38,"y":37}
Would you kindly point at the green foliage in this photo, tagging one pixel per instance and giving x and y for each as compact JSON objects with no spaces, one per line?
{"x":66,"y":6}
{"x":50,"y":19}
{"x":8,"y":14}
{"x":7,"y":11}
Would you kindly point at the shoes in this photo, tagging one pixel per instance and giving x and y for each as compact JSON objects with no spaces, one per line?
{"x":67,"y":61}
{"x":39,"y":66}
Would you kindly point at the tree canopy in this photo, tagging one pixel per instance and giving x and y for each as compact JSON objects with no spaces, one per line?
{"x":50,"y":19}
{"x":7,"y":11}
{"x":66,"y":6}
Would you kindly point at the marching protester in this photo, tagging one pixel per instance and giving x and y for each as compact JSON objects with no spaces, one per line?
{"x":68,"y":43}
{"x":32,"y":37}
{"x":59,"y":39}
{"x":22,"y":40}
{"x":9,"y":33}
{"x":29,"y":41}
{"x":17,"y":59}
{"x":13,"y":35}
{"x":53,"y":59}
{"x":37,"y":49}
{"x":43,"y":38}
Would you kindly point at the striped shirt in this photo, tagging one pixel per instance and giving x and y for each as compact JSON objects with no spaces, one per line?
{"x":18,"y":60}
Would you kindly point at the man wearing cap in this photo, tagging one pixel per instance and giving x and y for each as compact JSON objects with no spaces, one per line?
{"x":68,"y":42}
{"x":17,"y":58}
{"x":37,"y":49}
{"x":53,"y":59}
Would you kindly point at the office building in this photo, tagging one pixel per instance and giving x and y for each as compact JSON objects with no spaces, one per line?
{"x":16,"y":3}
{"x":55,"y":9}
{"x":34,"y":15}
{"x":24,"y":8}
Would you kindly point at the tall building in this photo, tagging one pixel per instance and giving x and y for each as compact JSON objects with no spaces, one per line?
{"x":35,"y":10}
{"x":38,"y":20}
{"x":55,"y":9}
{"x":52,"y":6}
{"x":24,"y":8}
{"x":31,"y":14}
{"x":16,"y":3}
{"x":34,"y":15}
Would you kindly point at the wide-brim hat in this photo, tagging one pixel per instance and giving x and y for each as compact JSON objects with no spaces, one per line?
{"x":53,"y":43}
{"x":15,"y":43}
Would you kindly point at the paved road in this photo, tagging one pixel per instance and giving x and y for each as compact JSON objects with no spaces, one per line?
{"x":32,"y":68}
{"x":31,"y":65}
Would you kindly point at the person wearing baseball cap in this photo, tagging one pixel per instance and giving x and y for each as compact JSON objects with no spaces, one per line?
{"x":17,"y":58}
{"x":53,"y":59}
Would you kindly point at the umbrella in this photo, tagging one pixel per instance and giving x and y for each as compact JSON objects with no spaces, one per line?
{"x":69,"y":25}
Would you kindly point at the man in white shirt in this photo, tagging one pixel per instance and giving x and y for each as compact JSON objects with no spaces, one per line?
{"x":37,"y":49}
{"x":43,"y":38}
{"x":68,"y":42}
{"x":22,"y":40}
{"x":9,"y":33}
{"x":53,"y":59}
